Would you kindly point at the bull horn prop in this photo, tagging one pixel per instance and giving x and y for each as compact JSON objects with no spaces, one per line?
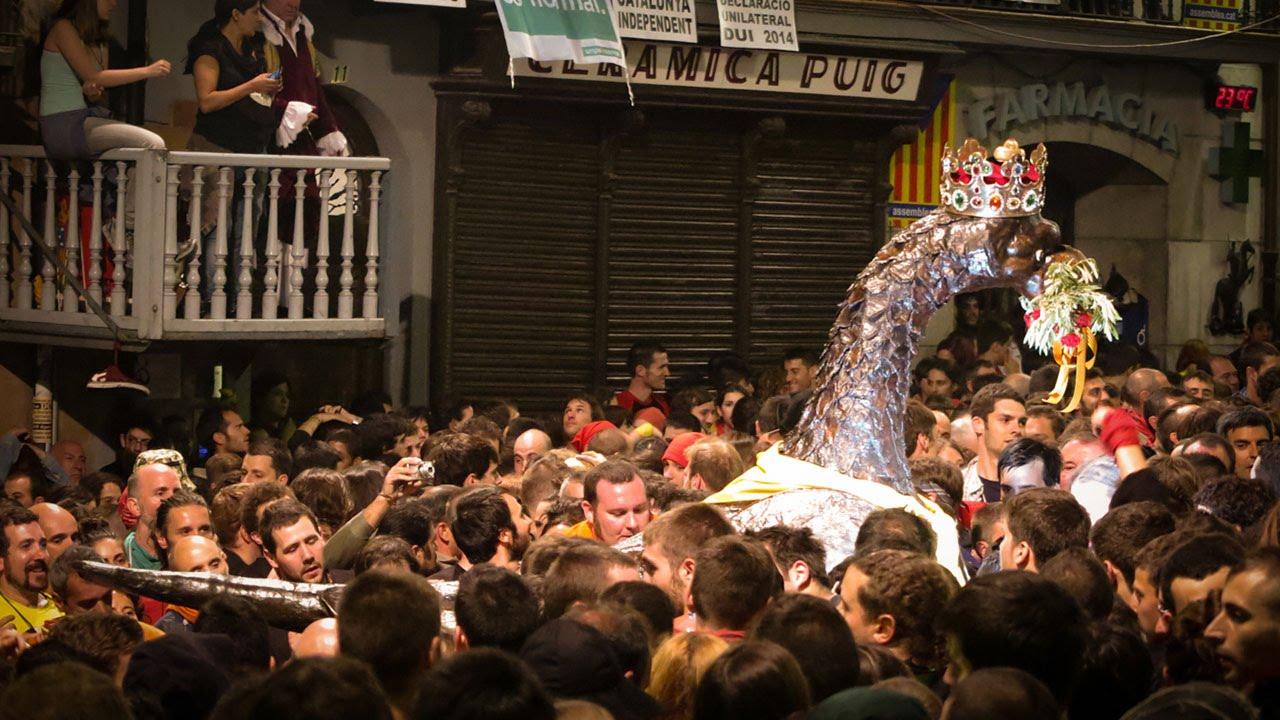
{"x":283,"y":604}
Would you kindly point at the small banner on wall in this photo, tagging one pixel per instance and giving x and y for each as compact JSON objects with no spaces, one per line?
{"x":762,"y":24}
{"x":1212,"y":14}
{"x":583,"y":31}
{"x":439,"y":3}
{"x":670,"y":20}
{"x":914,"y":169}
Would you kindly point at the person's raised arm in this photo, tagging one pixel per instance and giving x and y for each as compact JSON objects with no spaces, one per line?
{"x":210,"y":99}
{"x":73,"y":50}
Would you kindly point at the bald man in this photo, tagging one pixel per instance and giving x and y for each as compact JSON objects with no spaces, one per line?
{"x":61,"y":530}
{"x":148,"y":486}
{"x":531,"y":445}
{"x":70,"y":456}
{"x":191,"y":553}
{"x":1141,"y":383}
{"x":320,"y":639}
{"x":197,"y":553}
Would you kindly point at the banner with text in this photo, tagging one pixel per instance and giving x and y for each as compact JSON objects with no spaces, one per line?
{"x":440,"y":3}
{"x":670,"y":20}
{"x":580,"y":30}
{"x":724,"y":69}
{"x":763,"y":24}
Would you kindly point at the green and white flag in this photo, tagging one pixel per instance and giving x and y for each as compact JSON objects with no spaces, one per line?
{"x":584,"y":31}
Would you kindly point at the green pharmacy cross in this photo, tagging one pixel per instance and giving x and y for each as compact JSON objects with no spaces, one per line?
{"x":1235,"y":163}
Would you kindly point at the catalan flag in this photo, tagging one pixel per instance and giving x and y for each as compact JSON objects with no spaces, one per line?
{"x":914,"y":168}
{"x":1216,"y":15}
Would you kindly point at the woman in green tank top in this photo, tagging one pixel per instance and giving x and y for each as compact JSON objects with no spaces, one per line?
{"x":72,"y":71}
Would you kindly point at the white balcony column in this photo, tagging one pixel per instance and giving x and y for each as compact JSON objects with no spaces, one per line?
{"x":320,"y":303}
{"x":171,"y":274}
{"x":271,"y":280}
{"x":244,"y":278}
{"x":119,"y":259}
{"x":345,"y":299}
{"x":191,"y":303}
{"x":218,"y":303}
{"x":370,"y":309}
{"x":48,"y":274}
{"x":25,"y":268}
{"x":71,"y":240}
{"x":93,"y":283}
{"x":298,"y":251}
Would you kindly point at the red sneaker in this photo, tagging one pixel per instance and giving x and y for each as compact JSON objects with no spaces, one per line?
{"x":113,"y":378}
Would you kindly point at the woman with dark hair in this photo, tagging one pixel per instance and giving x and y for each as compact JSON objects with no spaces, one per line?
{"x":234,"y":115}
{"x":756,"y":680}
{"x":726,"y":399}
{"x":225,"y":59}
{"x":73,"y":70}
{"x":270,"y":398}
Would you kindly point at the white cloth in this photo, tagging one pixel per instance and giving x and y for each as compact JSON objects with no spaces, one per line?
{"x":972,"y":482}
{"x":334,"y":145}
{"x":1094,"y":484}
{"x":293,"y":122}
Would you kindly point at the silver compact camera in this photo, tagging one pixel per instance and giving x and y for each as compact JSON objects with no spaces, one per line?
{"x":427,"y":472}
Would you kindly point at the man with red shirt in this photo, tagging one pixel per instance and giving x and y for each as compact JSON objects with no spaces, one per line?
{"x":649,"y":372}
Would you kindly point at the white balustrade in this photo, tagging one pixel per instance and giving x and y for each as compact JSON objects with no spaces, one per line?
{"x":321,"y":300}
{"x":345,"y":299}
{"x":371,"y":249}
{"x":119,"y":270}
{"x":191,"y":303}
{"x":171,"y":272}
{"x":94,"y":278}
{"x":218,"y":305}
{"x":271,"y":280}
{"x":48,"y":276}
{"x":298,"y":248}
{"x":277,"y":282}
{"x":24,"y":241}
{"x":244,"y":279}
{"x":71,"y":240}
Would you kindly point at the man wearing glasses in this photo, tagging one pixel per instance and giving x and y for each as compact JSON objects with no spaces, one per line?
{"x":135,"y":440}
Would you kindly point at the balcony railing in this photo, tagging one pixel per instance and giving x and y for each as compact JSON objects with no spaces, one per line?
{"x":184,"y":245}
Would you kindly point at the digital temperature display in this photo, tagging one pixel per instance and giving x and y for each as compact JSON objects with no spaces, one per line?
{"x":1232,"y":98}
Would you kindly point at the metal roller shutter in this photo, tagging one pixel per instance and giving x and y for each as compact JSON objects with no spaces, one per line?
{"x":812,"y":232}
{"x":563,"y":242}
{"x":520,"y":293}
{"x":673,"y":245}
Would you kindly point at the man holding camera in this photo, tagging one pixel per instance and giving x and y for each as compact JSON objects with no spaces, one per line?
{"x":404,"y":479}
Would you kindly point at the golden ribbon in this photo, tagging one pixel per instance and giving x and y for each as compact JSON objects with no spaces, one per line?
{"x":1078,"y":359}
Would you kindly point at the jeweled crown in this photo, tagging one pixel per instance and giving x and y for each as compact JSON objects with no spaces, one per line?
{"x":1008,"y":184}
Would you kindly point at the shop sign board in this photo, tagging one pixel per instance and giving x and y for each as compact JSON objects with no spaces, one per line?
{"x":714,"y":68}
{"x":1015,"y":107}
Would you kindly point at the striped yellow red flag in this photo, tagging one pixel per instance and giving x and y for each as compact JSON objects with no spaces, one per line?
{"x":914,"y":169}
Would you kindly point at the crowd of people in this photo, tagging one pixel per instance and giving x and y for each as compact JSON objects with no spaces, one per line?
{"x":1123,"y":560}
